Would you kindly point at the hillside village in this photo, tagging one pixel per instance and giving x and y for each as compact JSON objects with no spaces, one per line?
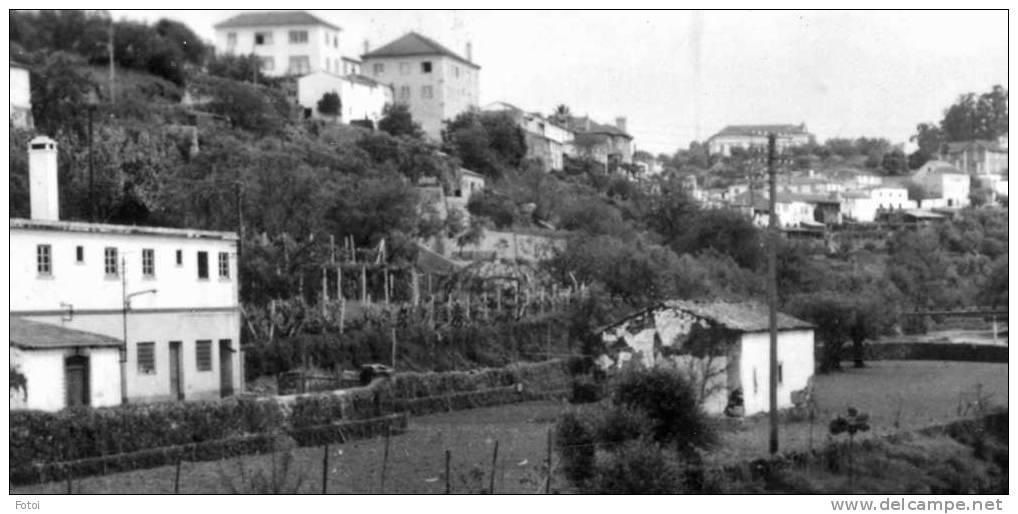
{"x":264,"y":216}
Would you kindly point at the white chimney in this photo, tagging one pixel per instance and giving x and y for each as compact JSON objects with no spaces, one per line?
{"x":42,"y":179}
{"x":470,"y":51}
{"x":367,"y":46}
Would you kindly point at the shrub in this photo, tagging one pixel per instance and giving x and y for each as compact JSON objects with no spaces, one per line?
{"x":639,"y":467}
{"x":574,"y":438}
{"x":585,"y":390}
{"x":670,"y":402}
{"x":621,"y":424}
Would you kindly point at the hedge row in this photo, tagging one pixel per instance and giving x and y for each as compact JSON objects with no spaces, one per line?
{"x":206,"y":451}
{"x":145,"y":435}
{"x":937,"y":352}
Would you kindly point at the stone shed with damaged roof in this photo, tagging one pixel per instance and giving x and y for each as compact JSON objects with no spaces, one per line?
{"x":722,"y":346}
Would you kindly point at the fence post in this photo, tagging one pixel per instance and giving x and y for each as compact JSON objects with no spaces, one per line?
{"x":494,"y":463}
{"x":325,"y":470}
{"x":448,"y":478}
{"x":176,"y":478}
{"x":385,"y":459}
{"x":547,"y":484}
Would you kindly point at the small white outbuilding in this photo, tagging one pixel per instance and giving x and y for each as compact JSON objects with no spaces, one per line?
{"x":62,"y":367}
{"x":722,"y":346}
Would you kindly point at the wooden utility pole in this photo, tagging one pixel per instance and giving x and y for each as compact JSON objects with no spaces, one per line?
{"x":113,"y":72}
{"x":772,"y":290}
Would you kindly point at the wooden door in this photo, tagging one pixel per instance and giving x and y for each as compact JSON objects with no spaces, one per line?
{"x":176,"y":380}
{"x":225,"y":368}
{"x":76,"y":379}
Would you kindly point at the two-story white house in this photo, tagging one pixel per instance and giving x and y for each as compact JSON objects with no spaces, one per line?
{"x":170,"y":294}
{"x":287,"y":42}
{"x":21,"y":96}
{"x":434,"y":82}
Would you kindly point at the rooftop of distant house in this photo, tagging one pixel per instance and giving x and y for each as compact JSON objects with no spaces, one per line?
{"x":273,"y":18}
{"x":961,"y":146}
{"x":737,"y":316}
{"x":33,"y":335}
{"x":762,"y":130}
{"x":585,"y":125}
{"x":102,"y":228}
{"x":413,"y":43}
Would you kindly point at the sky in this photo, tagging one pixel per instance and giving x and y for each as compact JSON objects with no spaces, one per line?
{"x":680,"y":76}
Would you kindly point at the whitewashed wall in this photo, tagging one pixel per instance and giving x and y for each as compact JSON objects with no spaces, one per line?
{"x":795,"y":354}
{"x":86,"y":286}
{"x":44,"y":372}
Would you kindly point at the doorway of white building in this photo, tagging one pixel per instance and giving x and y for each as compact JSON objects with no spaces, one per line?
{"x":76,"y":380}
{"x":176,"y":380}
{"x":225,"y":368}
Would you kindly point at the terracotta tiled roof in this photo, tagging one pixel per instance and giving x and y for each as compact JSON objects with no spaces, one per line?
{"x":413,"y":43}
{"x":40,"y":336}
{"x":273,"y":18}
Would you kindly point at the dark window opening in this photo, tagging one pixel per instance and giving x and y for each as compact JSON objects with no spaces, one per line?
{"x":79,"y":254}
{"x":203,"y":265}
{"x":147,"y":358}
{"x":426,"y":67}
{"x":203,"y":355}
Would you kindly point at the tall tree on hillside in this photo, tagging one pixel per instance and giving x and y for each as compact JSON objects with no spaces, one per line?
{"x":59,"y":91}
{"x":894,"y":162}
{"x":977,"y":117}
{"x":397,"y":121}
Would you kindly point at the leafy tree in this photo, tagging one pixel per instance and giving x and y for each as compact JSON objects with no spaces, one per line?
{"x":494,"y":206}
{"x":372,"y":208}
{"x":59,"y":91}
{"x":928,"y":138}
{"x":833,"y":316}
{"x":397,"y":121}
{"x":250,"y":107}
{"x":917,"y":158}
{"x":487,"y":142}
{"x":727,"y":232}
{"x":895,"y":163}
{"x":330,"y":104}
{"x":242,"y":68}
{"x":916,"y":191}
{"x":977,"y":117}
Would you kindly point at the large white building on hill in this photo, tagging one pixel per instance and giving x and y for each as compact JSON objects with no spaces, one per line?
{"x":171,"y":294}
{"x":434,"y":82}
{"x":287,"y":42}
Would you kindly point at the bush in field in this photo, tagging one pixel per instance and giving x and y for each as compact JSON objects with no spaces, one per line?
{"x":638,"y":467}
{"x":586,"y":390}
{"x":576,"y":445}
{"x":620,"y":424}
{"x":670,"y":402}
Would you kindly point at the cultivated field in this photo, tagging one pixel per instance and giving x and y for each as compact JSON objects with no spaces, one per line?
{"x":913,"y":394}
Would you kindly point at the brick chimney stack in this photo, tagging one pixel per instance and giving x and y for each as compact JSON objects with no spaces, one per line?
{"x":42,"y":179}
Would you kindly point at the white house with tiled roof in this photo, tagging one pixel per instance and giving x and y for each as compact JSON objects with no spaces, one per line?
{"x":728,"y":343}
{"x":434,"y":82}
{"x":750,"y":137}
{"x":171,"y":294}
{"x":360,"y":97}
{"x":288,"y":42}
{"x":546,"y":140}
{"x":946,"y":185}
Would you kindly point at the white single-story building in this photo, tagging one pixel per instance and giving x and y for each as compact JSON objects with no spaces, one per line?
{"x":63,"y":367}
{"x":360,"y":97}
{"x":723,"y":347}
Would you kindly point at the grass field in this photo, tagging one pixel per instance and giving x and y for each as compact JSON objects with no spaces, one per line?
{"x":926,"y":393}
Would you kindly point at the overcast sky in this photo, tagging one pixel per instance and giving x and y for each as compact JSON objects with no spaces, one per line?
{"x":843,"y":74}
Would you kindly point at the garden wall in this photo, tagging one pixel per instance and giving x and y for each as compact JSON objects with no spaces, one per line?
{"x":937,"y":352}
